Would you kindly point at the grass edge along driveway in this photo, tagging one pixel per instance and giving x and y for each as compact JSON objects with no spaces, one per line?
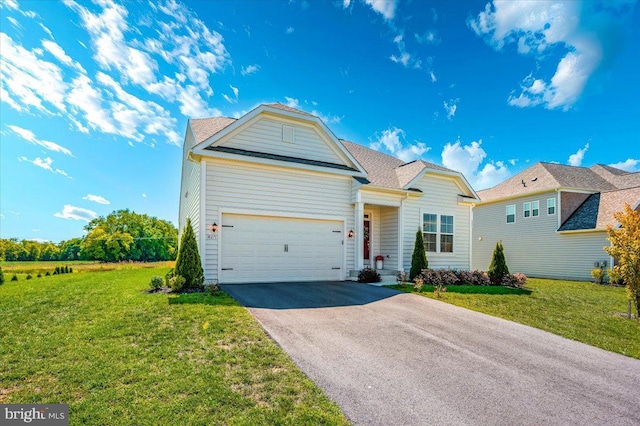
{"x":581,"y":311}
{"x":117,"y":355}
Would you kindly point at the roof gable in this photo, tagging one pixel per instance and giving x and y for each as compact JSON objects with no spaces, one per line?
{"x":274,"y":133}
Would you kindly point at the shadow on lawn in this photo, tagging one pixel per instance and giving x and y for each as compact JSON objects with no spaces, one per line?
{"x":466,"y":289}
{"x":219,"y":299}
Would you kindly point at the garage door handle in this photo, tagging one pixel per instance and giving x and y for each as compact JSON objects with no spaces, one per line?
{"x":336,"y":268}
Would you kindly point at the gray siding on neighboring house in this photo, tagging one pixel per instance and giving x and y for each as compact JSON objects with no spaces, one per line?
{"x":262,"y":188}
{"x":189,"y":190}
{"x":441,"y":198}
{"x":532,"y":245}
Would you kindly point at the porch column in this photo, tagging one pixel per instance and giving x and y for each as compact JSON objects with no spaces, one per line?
{"x":359,"y":237}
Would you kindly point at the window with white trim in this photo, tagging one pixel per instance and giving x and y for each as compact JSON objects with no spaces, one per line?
{"x":551,"y":206}
{"x":446,"y":234}
{"x":511,"y":213}
{"x":430,"y":230}
{"x":526,"y":210}
{"x":438,"y":231}
{"x":535,"y":208}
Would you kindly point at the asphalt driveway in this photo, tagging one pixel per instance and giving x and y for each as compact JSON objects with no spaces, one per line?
{"x":389,"y":358}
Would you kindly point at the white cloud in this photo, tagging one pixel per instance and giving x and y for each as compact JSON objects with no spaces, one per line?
{"x":250,"y":69}
{"x":144,"y":195}
{"x":629,"y":165}
{"x":29,"y":79}
{"x":430,"y":37}
{"x":412,"y":152}
{"x":292,"y":102}
{"x":386,"y":8}
{"x":451,"y":107}
{"x":433,"y":77}
{"x":290,"y":30}
{"x":59,"y":53}
{"x":327,"y":119}
{"x":392,"y":142}
{"x":576,"y":159}
{"x":96,"y":199}
{"x":467,"y":160}
{"x":30,"y":137}
{"x":235,"y":91}
{"x":88,"y":101}
{"x":346,"y":3}
{"x":44,"y":163}
{"x":581,"y":28}
{"x":403,"y":57}
{"x":76,"y":213}
{"x":192,"y":105}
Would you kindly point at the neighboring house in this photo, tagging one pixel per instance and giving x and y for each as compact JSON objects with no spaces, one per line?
{"x":275,"y":196}
{"x":552,"y":218}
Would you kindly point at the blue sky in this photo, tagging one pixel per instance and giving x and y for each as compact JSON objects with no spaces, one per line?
{"x":95,"y":96}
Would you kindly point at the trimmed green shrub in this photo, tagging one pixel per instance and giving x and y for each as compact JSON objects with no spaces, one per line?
{"x":368,"y":275}
{"x":29,"y":276}
{"x":14,"y":277}
{"x":188,"y":263}
{"x":1,"y":277}
{"x":177,"y":283}
{"x":419,"y":259}
{"x":156,"y":282}
{"x":498,"y":267}
{"x":168,"y":276}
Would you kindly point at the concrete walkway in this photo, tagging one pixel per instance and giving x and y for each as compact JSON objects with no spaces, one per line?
{"x":399,"y":359}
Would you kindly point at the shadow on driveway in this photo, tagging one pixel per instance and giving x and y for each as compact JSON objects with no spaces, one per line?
{"x":301,"y":295}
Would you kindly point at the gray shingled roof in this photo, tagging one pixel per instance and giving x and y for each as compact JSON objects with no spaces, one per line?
{"x":596,"y":212}
{"x":585,"y":216}
{"x":383,"y":170}
{"x":547,"y":176}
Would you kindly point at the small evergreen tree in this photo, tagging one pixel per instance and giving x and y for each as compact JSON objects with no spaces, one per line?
{"x":498,"y":267}
{"x":1,"y":277}
{"x":188,"y":263}
{"x":419,"y":259}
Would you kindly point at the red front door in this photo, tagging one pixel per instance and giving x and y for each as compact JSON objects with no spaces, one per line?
{"x":366,"y":242}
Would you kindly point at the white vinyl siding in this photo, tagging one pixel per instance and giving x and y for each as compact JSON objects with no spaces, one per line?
{"x":440,"y":197}
{"x":389,"y":237}
{"x":533,"y":247}
{"x":551,"y":206}
{"x":189,"y":190}
{"x":266,"y":136}
{"x":237,"y":186}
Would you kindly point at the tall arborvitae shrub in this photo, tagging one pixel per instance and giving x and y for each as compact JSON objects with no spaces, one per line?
{"x":1,"y":277}
{"x":498,"y":267}
{"x":188,"y":262}
{"x":419,"y":258}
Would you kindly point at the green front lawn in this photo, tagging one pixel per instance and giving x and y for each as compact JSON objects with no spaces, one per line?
{"x":120,"y":356}
{"x":580,"y":311}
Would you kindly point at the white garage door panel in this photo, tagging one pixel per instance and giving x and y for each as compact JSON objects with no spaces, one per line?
{"x":253,"y":249}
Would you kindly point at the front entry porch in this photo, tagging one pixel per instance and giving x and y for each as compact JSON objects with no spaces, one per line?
{"x":379,"y":227}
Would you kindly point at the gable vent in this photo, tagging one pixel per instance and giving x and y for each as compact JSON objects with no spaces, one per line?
{"x":288,"y":134}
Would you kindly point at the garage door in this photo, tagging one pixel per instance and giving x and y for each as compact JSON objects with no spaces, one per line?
{"x":270,"y":249}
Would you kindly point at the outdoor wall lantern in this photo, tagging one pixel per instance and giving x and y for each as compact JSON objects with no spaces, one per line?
{"x":214,"y":228}
{"x":350,"y":235}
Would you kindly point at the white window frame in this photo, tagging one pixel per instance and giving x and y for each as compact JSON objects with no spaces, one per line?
{"x":526,"y":209}
{"x":535,"y":208}
{"x":438,"y":233}
{"x":551,"y":205}
{"x":511,"y":214}
{"x":424,"y":233}
{"x":452,"y":233}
